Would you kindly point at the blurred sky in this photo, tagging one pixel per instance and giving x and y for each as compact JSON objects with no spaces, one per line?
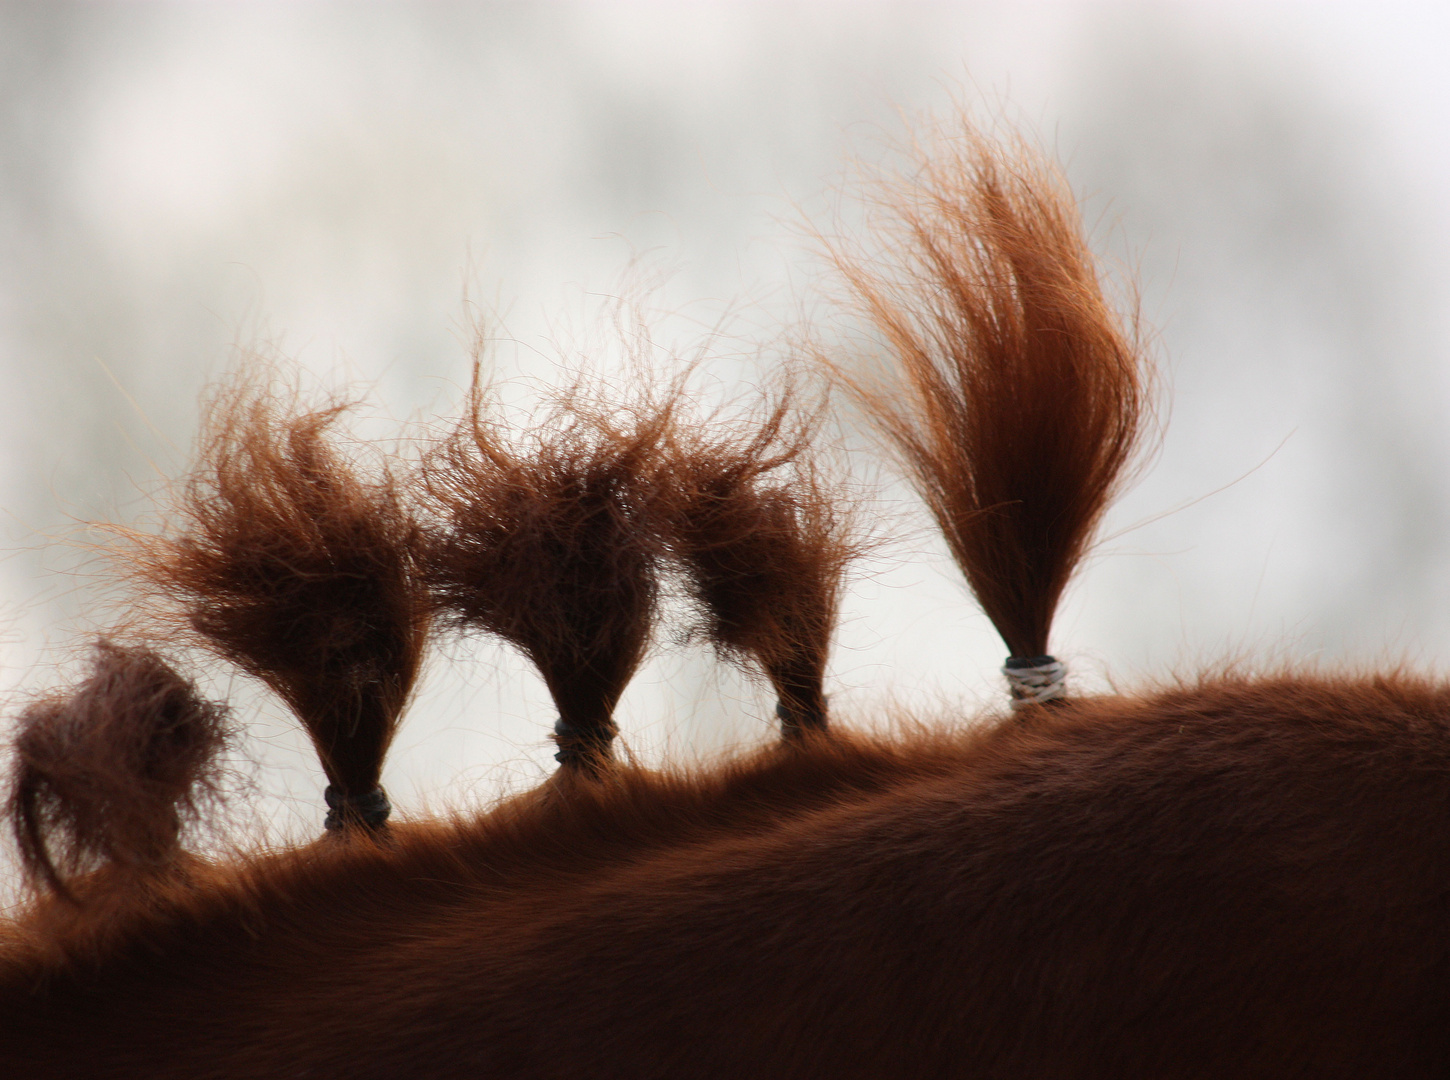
{"x":323,"y":181}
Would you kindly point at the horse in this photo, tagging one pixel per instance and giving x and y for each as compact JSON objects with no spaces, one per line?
{"x":1231,"y":876}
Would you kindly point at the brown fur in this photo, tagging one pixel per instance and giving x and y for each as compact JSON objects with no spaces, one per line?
{"x":1235,"y":879}
{"x":1018,"y":396}
{"x":549,"y":545}
{"x":301,"y":572}
{"x":110,"y":774}
{"x":764,"y":543}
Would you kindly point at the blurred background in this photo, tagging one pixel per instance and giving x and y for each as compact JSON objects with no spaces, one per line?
{"x":183,"y":182}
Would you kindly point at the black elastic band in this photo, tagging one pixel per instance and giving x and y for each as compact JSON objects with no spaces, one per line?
{"x":1018,"y":662}
{"x":343,"y":809}
{"x":580,"y":746}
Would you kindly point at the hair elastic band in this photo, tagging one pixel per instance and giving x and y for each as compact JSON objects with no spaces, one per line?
{"x":795,"y":721}
{"x":370,"y":808}
{"x":581,"y":746}
{"x":1035,"y":680}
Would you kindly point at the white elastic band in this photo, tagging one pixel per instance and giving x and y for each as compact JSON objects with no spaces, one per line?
{"x":1035,"y":685}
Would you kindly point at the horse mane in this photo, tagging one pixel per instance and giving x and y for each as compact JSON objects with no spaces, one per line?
{"x":111,"y":774}
{"x":1016,"y":405}
{"x":545,"y":541}
{"x":1240,"y":876}
{"x":302,"y":572}
{"x":1017,"y":396}
{"x":764,"y":540}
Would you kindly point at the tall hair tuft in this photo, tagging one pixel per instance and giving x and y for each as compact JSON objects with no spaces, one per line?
{"x":1017,"y":395}
{"x":546,"y":542}
{"x":764,"y":545}
{"x":111,"y":774}
{"x":302,"y":572}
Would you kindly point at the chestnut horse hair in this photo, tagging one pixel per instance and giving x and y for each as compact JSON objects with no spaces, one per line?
{"x":1234,"y":877}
